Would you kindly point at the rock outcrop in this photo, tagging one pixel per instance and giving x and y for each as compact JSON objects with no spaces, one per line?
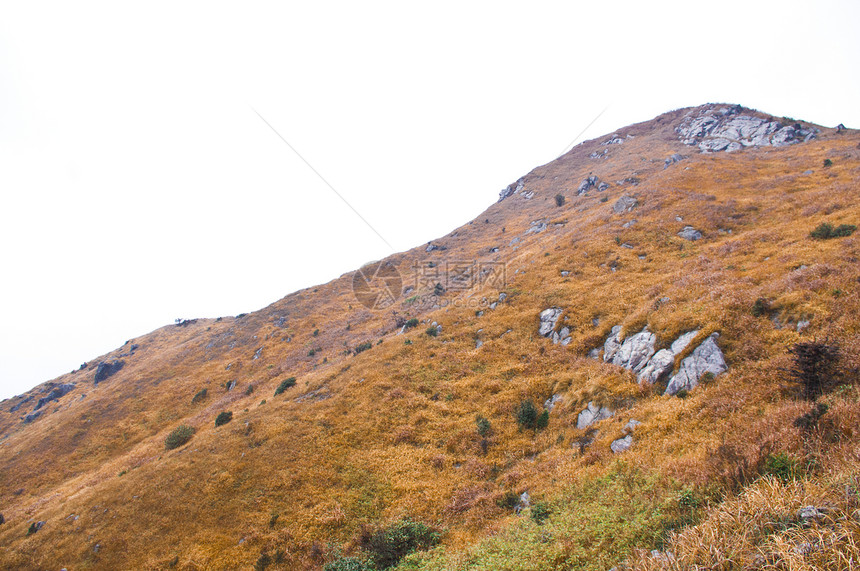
{"x":548,"y":320}
{"x":511,"y":189}
{"x":690,"y":233}
{"x":106,"y":370}
{"x":722,"y":128}
{"x":706,"y":358}
{"x":591,"y":414}
{"x":56,"y":392}
{"x":635,"y":352}
{"x":661,"y":364}
{"x":624,"y":204}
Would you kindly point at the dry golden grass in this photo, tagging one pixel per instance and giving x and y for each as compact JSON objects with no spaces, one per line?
{"x":363,"y":440}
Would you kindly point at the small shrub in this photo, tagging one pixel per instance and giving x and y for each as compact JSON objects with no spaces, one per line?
{"x":200,"y":396}
{"x":482,"y":425}
{"x":362,"y":347}
{"x":438,"y":290}
{"x":273,"y":520}
{"x":223,"y":418}
{"x":542,"y":420}
{"x":814,"y":368}
{"x":825,"y":231}
{"x":706,"y":378}
{"x":760,"y":307}
{"x":262,"y":402}
{"x":781,"y":466}
{"x":528,"y":416}
{"x":411,"y":323}
{"x":34,"y":527}
{"x":509,"y":500}
{"x":249,"y":390}
{"x":559,"y":200}
{"x":682,"y":394}
{"x":285,"y":384}
{"x":540,"y":513}
{"x":312,"y":352}
{"x":604,"y":198}
{"x":180,"y":435}
{"x":408,"y":342}
{"x":316,"y":332}
{"x":432,"y":331}
{"x":689,"y":499}
{"x":387,"y":546}
{"x":828,"y":163}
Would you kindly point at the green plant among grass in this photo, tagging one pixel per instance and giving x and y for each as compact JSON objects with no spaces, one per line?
{"x":825,"y":231}
{"x":432,"y":331}
{"x":223,"y":418}
{"x":388,"y":545}
{"x":760,"y":307}
{"x":179,"y":436}
{"x":528,"y":416}
{"x":482,"y":425}
{"x":828,"y":163}
{"x":781,"y":466}
{"x":285,"y":384}
{"x":411,"y":323}
{"x":438,"y":290}
{"x":361,"y":347}
{"x":346,"y":564}
{"x":540,"y":512}
{"x":559,"y":200}
{"x":200,"y":396}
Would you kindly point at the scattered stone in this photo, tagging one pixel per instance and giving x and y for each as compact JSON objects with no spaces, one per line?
{"x":494,"y":304}
{"x":629,"y":223}
{"x":802,"y":324}
{"x":586,"y":185}
{"x":627,"y":245}
{"x":613,"y":140}
{"x":706,"y":358}
{"x":624,"y":204}
{"x":715,"y":129}
{"x":258,"y":354}
{"x":431,"y":247}
{"x":676,"y":158}
{"x":502,"y":297}
{"x":548,"y":319}
{"x":478,"y":343}
{"x":594,"y":353}
{"x":658,"y":368}
{"x":612,"y":344}
{"x":514,"y":241}
{"x":622,"y":444}
{"x":808,"y":172}
{"x":106,"y":370}
{"x":536,"y":227}
{"x":690,"y":233}
{"x":564,"y":273}
{"x":231,"y":385}
{"x":631,"y":425}
{"x":591,"y":414}
{"x":280,"y":321}
{"x":808,"y":513}
{"x":525,"y":502}
{"x":511,"y":189}
{"x":56,"y":392}
{"x":840,"y":127}
{"x":550,"y":403}
{"x":602,"y":186}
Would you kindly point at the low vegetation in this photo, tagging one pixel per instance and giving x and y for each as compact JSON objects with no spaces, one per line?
{"x":178,"y":437}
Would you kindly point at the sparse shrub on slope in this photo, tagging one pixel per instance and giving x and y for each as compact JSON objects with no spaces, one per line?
{"x":528,"y":417}
{"x":411,"y":323}
{"x":179,"y":436}
{"x":285,"y":384}
{"x":432,"y":331}
{"x":200,"y":396}
{"x":361,"y":347}
{"x":346,"y":564}
{"x":387,"y":546}
{"x":814,"y":368}
{"x":223,"y":418}
{"x":559,"y":200}
{"x":825,"y":231}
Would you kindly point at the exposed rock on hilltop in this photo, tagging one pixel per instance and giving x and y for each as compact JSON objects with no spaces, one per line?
{"x":724,"y":128}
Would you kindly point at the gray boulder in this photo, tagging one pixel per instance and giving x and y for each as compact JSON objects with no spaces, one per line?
{"x":624,"y":204}
{"x":550,"y":403}
{"x":603,"y":186}
{"x":706,"y":358}
{"x":622,"y":444}
{"x":658,"y":368}
{"x":587,"y":185}
{"x":675,"y":158}
{"x":548,"y":319}
{"x":106,"y":370}
{"x":591,"y":414}
{"x":690,"y":233}
{"x":21,"y":403}
{"x":56,"y":392}
{"x":33,"y":415}
{"x":612,"y":344}
{"x":511,"y":189}
{"x":635,"y":351}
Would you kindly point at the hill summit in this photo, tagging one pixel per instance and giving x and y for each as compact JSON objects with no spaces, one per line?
{"x":644,"y":355}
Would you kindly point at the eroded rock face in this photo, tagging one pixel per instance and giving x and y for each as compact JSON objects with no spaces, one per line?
{"x":612,"y":344}
{"x":722,"y":128}
{"x":511,"y":189}
{"x":550,"y":403}
{"x":591,"y":414}
{"x":106,"y":369}
{"x":658,"y":368}
{"x":706,"y":358}
{"x":548,"y":319}
{"x":587,"y":185}
{"x":635,"y":351}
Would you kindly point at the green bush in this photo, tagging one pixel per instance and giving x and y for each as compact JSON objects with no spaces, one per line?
{"x":180,"y":435}
{"x":483,"y":425}
{"x":528,"y":416}
{"x":825,"y":231}
{"x":438,"y":290}
{"x":542,"y":420}
{"x":540,"y":513}
{"x":346,"y":564}
{"x":387,"y":546}
{"x":828,"y":163}
{"x":285,"y":384}
{"x":223,"y":418}
{"x":412,"y":323}
{"x":508,"y":501}
{"x":432,"y":331}
{"x":362,"y":347}
{"x":559,"y":200}
{"x":200,"y":396}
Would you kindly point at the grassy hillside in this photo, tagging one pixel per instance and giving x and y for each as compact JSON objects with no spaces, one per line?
{"x":382,"y":426}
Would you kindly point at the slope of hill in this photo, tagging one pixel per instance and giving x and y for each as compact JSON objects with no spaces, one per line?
{"x":398,"y":393}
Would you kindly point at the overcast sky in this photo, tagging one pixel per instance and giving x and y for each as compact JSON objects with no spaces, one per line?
{"x":139,"y":184}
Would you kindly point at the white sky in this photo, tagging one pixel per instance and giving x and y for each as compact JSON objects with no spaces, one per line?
{"x":137,"y":185}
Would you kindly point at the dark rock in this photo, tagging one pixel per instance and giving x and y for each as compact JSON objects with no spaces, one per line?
{"x":55,"y":393}
{"x":106,"y":370}
{"x":587,"y":185}
{"x":134,"y":347}
{"x":676,"y":158}
{"x":33,"y":415}
{"x":690,"y":233}
{"x":20,"y":404}
{"x":603,"y":186}
{"x":840,"y":127}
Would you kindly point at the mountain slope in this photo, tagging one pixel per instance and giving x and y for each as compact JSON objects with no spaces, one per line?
{"x":381,"y":421}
